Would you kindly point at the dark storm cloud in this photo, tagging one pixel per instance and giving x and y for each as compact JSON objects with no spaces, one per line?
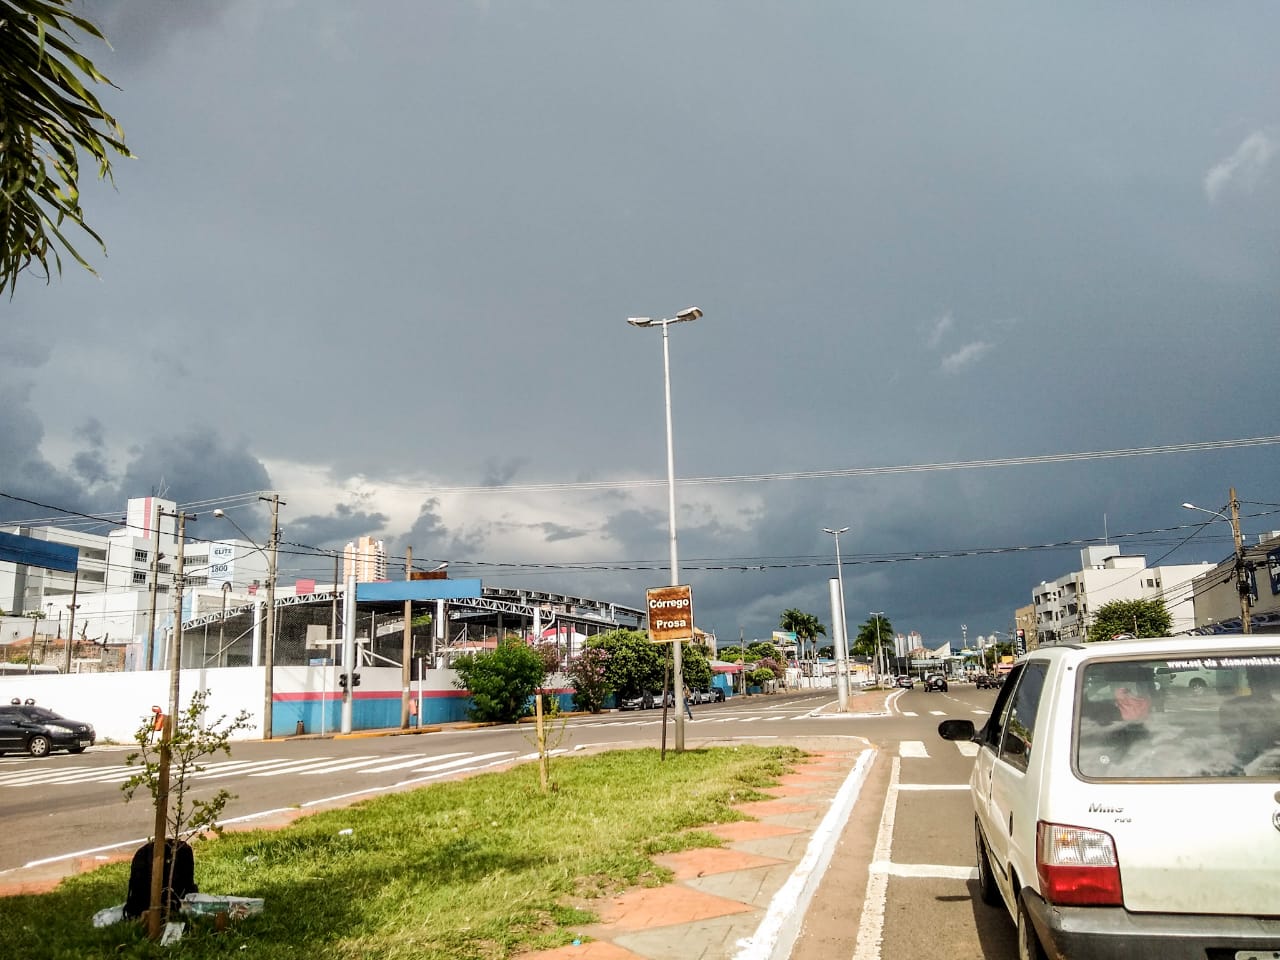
{"x":192,"y":464}
{"x":138,"y":29}
{"x":335,"y":529}
{"x":24,"y":471}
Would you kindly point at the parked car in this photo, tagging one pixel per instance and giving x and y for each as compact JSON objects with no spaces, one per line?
{"x":1112,"y":821}
{"x":935,"y":681}
{"x":713,"y":695}
{"x":36,"y":730}
{"x":988,"y":681}
{"x":906,"y":680}
{"x":646,"y":701}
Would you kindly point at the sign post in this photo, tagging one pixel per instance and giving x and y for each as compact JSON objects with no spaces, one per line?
{"x":670,"y":615}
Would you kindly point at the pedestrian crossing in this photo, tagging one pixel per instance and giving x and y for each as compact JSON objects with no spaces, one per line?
{"x":418,"y":764}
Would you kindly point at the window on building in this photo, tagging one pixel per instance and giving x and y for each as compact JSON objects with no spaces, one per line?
{"x":141,"y":556}
{"x":197,"y":581}
{"x":162,"y":588}
{"x":163,"y":567}
{"x":139,"y":577}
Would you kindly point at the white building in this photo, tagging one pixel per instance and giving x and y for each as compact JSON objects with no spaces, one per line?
{"x":366,"y":558}
{"x":1066,"y":607}
{"x":113,"y":583}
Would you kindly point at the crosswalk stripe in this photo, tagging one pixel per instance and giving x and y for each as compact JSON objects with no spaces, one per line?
{"x":301,"y":766}
{"x":937,"y":713}
{"x":914,"y":749}
{"x":449,"y":764}
{"x":909,"y":713}
{"x":412,"y":762}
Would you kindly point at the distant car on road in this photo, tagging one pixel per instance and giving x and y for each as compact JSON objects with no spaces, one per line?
{"x":935,"y":681}
{"x":36,"y":730}
{"x":907,"y":681}
{"x":987,"y":681}
{"x":714,"y":695}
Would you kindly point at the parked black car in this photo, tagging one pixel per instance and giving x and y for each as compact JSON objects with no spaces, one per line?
{"x":987,"y":681}
{"x":935,"y":681}
{"x":36,"y":730}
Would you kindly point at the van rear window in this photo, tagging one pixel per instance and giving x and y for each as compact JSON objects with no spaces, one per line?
{"x":1189,"y":718}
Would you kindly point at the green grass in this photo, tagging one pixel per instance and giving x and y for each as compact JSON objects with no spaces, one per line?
{"x":479,"y":868}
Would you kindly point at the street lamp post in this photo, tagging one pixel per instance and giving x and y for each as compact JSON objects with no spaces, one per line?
{"x":842,"y":642}
{"x":1242,"y":575}
{"x":677,"y":666}
{"x":878,"y":614}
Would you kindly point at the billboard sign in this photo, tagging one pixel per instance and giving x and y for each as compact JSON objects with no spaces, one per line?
{"x":222,"y":563}
{"x":670,"y":614}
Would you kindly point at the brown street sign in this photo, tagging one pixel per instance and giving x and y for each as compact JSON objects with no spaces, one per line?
{"x":670,"y":614}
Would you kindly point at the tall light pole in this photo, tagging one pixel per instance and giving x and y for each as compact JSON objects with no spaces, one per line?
{"x":842,"y":642}
{"x":877,"y":615}
{"x":1242,"y":574}
{"x":269,"y":646}
{"x":677,"y":662}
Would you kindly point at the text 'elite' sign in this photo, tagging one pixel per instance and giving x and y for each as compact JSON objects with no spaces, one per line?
{"x":670,"y":614}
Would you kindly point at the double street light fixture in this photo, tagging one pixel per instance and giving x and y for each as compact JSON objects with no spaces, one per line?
{"x":269,"y":634}
{"x":1242,"y":574}
{"x":677,"y":666}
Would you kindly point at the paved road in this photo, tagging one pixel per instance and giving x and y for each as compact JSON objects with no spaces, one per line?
{"x":900,"y":887}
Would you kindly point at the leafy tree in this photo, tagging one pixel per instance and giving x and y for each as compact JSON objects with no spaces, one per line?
{"x":761,"y":649}
{"x":48,"y":116}
{"x":635,"y":663}
{"x":760,"y":676}
{"x":805,"y":626}
{"x":193,"y":740}
{"x":696,"y":668}
{"x":730,"y":654}
{"x":829,"y":651}
{"x":501,"y":682}
{"x":588,"y":672}
{"x":1136,"y":618}
{"x":865,"y":643}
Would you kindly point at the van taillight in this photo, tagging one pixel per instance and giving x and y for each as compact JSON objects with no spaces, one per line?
{"x":1077,"y":866}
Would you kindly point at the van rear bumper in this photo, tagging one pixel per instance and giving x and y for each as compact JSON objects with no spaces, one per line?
{"x":1113,"y":933}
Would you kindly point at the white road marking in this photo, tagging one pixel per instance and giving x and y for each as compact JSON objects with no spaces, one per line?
{"x":412,"y":762}
{"x":914,"y":749}
{"x":871,"y":925}
{"x":451,"y":764}
{"x":780,"y":926}
{"x":303,"y":766}
{"x":909,"y":713}
{"x":937,"y":713}
{"x":931,"y":871}
{"x":922,"y":787}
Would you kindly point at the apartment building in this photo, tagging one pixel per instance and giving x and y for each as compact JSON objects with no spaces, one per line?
{"x":1066,"y":607}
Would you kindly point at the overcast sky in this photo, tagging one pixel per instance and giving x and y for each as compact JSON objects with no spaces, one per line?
{"x":379,"y":258}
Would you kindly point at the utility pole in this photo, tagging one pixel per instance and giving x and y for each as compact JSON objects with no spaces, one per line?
{"x":1242,"y":572}
{"x":156,"y":913}
{"x":269,"y":644}
{"x":406,"y":669}
{"x":71,"y":628}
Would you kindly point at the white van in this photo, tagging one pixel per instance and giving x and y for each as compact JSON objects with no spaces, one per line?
{"x":1118,"y":814}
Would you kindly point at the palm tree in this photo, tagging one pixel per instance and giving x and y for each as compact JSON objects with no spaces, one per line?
{"x":804,"y":625}
{"x":47,"y":117}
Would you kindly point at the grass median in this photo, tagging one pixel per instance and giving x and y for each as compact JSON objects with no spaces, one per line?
{"x":486,"y":867}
